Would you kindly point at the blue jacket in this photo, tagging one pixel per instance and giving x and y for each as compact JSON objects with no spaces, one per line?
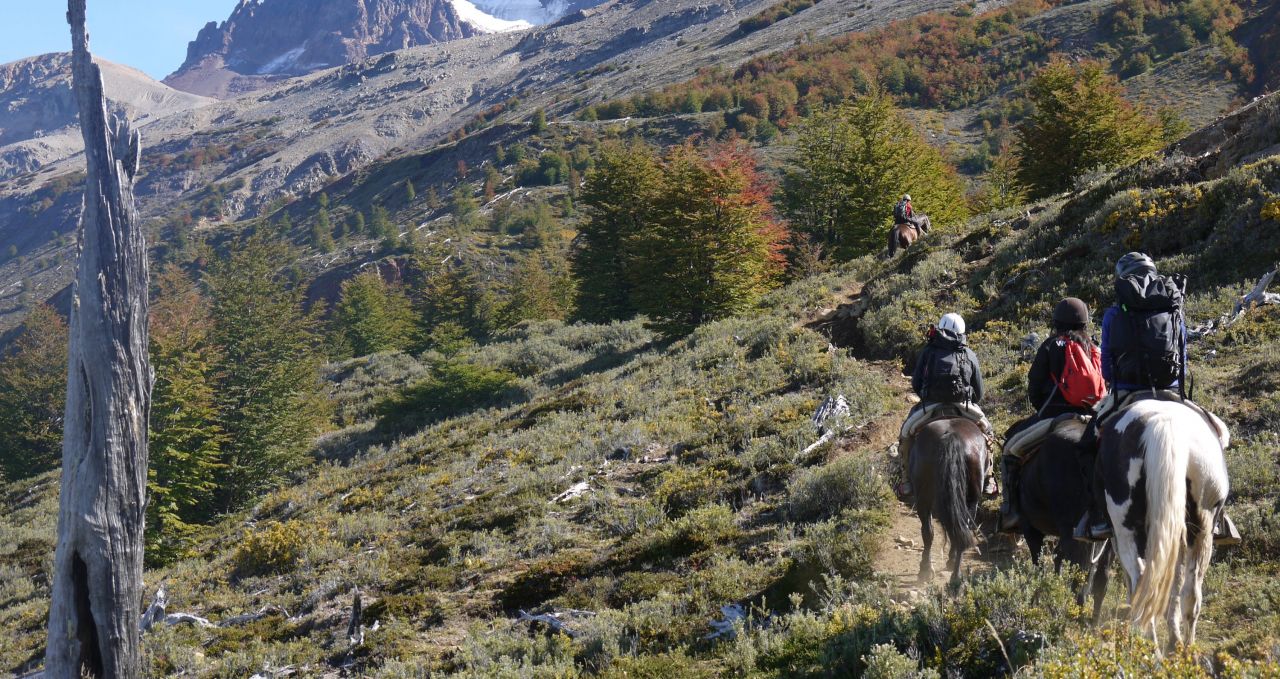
{"x":1108,"y":370}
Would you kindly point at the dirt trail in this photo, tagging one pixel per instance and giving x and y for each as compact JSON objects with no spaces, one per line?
{"x":899,"y":559}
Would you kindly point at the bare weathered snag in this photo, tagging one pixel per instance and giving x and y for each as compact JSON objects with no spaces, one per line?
{"x":97,"y":581}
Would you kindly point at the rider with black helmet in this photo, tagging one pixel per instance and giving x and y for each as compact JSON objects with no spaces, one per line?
{"x":1070,"y":325}
{"x":1144,"y":348}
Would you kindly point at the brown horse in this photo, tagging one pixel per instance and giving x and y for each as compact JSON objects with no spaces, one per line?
{"x":1051,"y":496}
{"x":903,"y":235}
{"x":947,"y":462}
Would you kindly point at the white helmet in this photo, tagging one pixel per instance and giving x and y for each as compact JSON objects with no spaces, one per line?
{"x":906,"y":197}
{"x":952,"y":322}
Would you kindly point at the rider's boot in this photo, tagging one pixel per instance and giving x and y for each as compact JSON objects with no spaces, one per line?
{"x":904,"y":488}
{"x":1094,"y":526}
{"x":1224,"y":532}
{"x":1010,"y":520}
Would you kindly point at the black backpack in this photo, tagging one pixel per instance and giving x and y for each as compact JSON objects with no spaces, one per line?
{"x":1147,"y":335}
{"x":947,"y":379}
{"x":900,"y":212}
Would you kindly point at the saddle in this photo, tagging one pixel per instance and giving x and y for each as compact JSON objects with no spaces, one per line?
{"x":1026,"y":443}
{"x":1216,"y":425}
{"x":932,"y":412}
{"x":909,"y":225}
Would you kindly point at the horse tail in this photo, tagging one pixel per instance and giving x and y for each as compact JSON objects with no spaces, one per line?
{"x":1165,"y":459}
{"x":893,"y":242}
{"x":952,"y":491}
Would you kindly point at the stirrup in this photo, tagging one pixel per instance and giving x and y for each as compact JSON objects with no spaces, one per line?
{"x":1092,"y":532}
{"x":1225,"y":533}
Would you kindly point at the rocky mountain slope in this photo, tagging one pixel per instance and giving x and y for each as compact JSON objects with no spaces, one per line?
{"x":38,"y":114}
{"x":265,"y":41}
{"x":304,"y":133}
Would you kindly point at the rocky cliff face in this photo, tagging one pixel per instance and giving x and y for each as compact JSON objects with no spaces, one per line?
{"x":265,"y":40}
{"x":38,"y":112}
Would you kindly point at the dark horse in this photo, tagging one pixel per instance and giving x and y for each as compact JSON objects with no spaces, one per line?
{"x":1051,"y":496}
{"x":947,"y":461}
{"x":903,"y":235}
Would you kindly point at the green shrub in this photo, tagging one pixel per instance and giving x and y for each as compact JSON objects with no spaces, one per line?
{"x":661,"y":666}
{"x":1116,"y":652}
{"x":455,"y":387}
{"x":851,"y":482}
{"x":885,"y":661}
{"x":273,"y":548}
{"x":686,"y":487}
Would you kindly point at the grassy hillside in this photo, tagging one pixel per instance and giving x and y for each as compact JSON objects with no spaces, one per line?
{"x":634,"y":487}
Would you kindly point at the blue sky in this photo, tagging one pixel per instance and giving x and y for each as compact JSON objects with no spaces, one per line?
{"x":150,"y":35}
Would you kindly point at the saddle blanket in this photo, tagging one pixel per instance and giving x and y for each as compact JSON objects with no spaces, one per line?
{"x":1026,"y":442}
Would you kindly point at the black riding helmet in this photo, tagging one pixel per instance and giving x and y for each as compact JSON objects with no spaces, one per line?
{"x":1134,"y":264}
{"x":1071,"y":313}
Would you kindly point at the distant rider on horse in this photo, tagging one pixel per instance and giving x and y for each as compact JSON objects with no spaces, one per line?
{"x":1065,"y":379}
{"x":1144,"y":351}
{"x":948,"y":380}
{"x":904,"y":213}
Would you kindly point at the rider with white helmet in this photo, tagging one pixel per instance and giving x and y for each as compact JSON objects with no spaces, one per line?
{"x":948,"y":380}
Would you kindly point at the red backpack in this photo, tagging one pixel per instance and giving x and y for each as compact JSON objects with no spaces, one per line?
{"x":1081,"y":382}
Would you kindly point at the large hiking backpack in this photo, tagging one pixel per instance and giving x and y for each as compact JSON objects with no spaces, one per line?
{"x":900,"y":213}
{"x":1147,"y":333}
{"x":1081,"y":382}
{"x":947,"y":379}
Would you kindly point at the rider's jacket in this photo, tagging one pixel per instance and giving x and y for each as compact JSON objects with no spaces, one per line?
{"x":947,"y":345}
{"x":1050,"y":360}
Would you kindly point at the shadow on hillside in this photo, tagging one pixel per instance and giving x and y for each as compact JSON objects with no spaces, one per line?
{"x":600,"y":363}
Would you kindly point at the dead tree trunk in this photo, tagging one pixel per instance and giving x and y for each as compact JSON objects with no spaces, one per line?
{"x":97,"y":582}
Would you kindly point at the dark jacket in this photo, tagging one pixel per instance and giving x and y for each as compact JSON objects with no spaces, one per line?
{"x":1050,"y":360}
{"x":1109,"y":351}
{"x":945,"y":342}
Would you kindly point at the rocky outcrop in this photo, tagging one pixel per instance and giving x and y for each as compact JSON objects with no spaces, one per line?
{"x":38,"y":110}
{"x":265,"y":40}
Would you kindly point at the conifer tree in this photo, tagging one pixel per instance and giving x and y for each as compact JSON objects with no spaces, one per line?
{"x":33,"y":387}
{"x":464,"y":204}
{"x":620,"y":195}
{"x":451,"y":302}
{"x":358,"y":226}
{"x":713,"y":247}
{"x":539,"y":123}
{"x":373,"y":316}
{"x":433,"y":199}
{"x":852,"y":164}
{"x":382,"y":227}
{"x":533,"y":293}
{"x":269,"y":388}
{"x":1081,"y":122}
{"x":410,"y":193}
{"x":322,"y":232}
{"x":186,"y":431}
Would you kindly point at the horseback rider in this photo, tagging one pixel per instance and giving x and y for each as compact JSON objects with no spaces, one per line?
{"x":904,"y":213}
{"x":1144,"y":348}
{"x":1065,"y":379}
{"x":948,"y":380}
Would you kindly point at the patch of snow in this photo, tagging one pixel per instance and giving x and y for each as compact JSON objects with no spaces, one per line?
{"x":533,"y":11}
{"x":283,"y":61}
{"x":484,"y":21}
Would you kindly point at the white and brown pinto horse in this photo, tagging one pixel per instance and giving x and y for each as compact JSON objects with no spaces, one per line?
{"x":1166,"y":482}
